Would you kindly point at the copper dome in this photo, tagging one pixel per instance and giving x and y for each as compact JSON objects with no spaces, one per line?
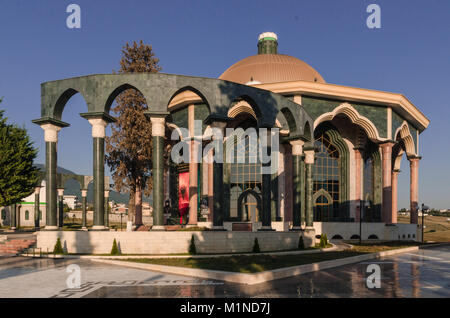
{"x":271,"y":68}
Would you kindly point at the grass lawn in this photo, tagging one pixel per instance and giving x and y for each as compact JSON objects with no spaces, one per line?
{"x":259,"y":263}
{"x":437,"y":228}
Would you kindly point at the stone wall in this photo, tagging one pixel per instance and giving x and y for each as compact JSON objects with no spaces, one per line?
{"x":346,"y":230}
{"x":90,"y":242}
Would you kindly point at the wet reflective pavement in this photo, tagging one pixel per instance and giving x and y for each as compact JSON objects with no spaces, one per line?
{"x":425,"y":273}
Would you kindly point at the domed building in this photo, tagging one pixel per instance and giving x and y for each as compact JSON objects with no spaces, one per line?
{"x":268,"y":147}
{"x":360,"y":138}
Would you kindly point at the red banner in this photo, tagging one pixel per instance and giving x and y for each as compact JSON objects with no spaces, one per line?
{"x":183,"y":193}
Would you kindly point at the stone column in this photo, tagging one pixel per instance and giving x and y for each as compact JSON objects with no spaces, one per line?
{"x":84,"y":209}
{"x":51,"y":140}
{"x":37,"y":199}
{"x":210,"y":166}
{"x":158,"y":132}
{"x":106,"y":208}
{"x":13,"y":213}
{"x":60,"y":208}
{"x":266,"y":217}
{"x":193,"y":181}
{"x":394,"y":195}
{"x":98,"y":135}
{"x":309,"y":204}
{"x":297,"y":176}
{"x":358,"y":183}
{"x":386,"y":210}
{"x":414,"y":189}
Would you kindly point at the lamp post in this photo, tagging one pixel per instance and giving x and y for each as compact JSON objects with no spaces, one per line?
{"x":424,"y":208}
{"x":364,"y":206}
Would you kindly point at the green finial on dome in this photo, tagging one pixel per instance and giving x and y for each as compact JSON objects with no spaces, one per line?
{"x":268,"y":43}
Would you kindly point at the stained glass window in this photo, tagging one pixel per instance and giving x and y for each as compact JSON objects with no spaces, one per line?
{"x":326,"y":177}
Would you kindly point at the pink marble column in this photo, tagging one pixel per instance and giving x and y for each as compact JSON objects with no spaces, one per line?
{"x":394,"y":195}
{"x":358,"y":178}
{"x":414,"y":189}
{"x":210,"y":185}
{"x":386,"y":210}
{"x":193,"y":182}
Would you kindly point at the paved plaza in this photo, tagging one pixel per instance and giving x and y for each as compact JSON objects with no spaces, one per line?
{"x":425,"y":273}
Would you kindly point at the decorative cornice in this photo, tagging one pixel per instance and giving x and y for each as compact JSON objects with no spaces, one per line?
{"x":352,"y":94}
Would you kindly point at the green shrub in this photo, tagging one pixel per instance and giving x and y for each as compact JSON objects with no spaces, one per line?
{"x":301,"y":244}
{"x":256,"y":246}
{"x":323,"y":241}
{"x":115,"y":248}
{"x":58,"y":249}
{"x":192,"y":249}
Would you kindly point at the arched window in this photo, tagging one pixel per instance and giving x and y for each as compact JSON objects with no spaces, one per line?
{"x":245,"y":172}
{"x":27,"y":215}
{"x":3,"y":214}
{"x":40,"y":214}
{"x":326,"y":177}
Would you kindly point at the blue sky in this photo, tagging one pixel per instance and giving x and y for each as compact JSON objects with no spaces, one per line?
{"x":410,"y":54}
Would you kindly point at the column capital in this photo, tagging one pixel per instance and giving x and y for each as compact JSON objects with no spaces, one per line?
{"x":98,"y":127}
{"x":414,"y":158}
{"x":158,"y":126}
{"x":60,"y":192}
{"x":297,"y":147}
{"x":50,"y":132}
{"x":37,"y":190}
{"x":309,"y":156}
{"x":84,"y":193}
{"x":106,"y":193}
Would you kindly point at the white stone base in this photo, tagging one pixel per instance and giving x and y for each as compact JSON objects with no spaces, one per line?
{"x":159,"y":242}
{"x":383,"y":232}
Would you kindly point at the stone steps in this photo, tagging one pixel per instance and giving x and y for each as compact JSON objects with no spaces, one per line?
{"x":15,"y":246}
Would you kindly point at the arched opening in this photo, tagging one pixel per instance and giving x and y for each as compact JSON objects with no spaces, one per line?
{"x":337,"y":237}
{"x":188,"y":110}
{"x":354,"y":237}
{"x":327,"y":177}
{"x":27,"y":215}
{"x":242,"y":171}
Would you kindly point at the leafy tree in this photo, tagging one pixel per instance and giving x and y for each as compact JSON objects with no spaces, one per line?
{"x":18,"y":176}
{"x":129,"y":149}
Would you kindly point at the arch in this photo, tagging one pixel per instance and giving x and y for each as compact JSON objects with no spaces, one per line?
{"x":307,"y":132}
{"x":63,"y":99}
{"x":244,"y":195}
{"x":27,"y":215}
{"x":241,"y":107}
{"x":3,"y":214}
{"x":404,"y":134}
{"x":337,"y":237}
{"x":339,"y":143}
{"x":116,"y":92}
{"x":193,"y":90}
{"x":355,"y":118}
{"x":354,"y":237}
{"x":373,"y":237}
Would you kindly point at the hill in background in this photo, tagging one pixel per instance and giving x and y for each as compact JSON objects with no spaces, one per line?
{"x":72,"y":187}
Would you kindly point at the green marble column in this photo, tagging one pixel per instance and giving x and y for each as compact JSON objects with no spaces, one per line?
{"x":36,"y":209}
{"x":302,"y":191}
{"x":106,"y":211}
{"x":51,"y":195}
{"x":158,"y":181}
{"x":84,"y":208}
{"x":99,"y":183}
{"x":60,"y":211}
{"x":296,"y":190}
{"x":218,"y":195}
{"x":274,"y":197}
{"x":309,"y":195}
{"x":13,"y":213}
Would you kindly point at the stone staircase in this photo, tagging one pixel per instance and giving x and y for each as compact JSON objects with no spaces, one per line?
{"x":15,"y":246}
